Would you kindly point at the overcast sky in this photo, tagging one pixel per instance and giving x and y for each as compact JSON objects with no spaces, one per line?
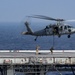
{"x":16,"y":10}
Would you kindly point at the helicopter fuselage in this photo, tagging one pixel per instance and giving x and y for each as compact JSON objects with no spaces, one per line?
{"x":52,"y":29}
{"x":60,"y":28}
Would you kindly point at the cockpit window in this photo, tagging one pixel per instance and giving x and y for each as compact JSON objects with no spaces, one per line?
{"x":65,"y":27}
{"x":69,"y":26}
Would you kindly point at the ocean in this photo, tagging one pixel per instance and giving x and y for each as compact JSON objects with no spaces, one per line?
{"x":11,"y":38}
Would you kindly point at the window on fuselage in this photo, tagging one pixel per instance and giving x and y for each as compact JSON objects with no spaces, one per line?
{"x":65,"y":27}
{"x":69,"y":26}
{"x":61,"y":27}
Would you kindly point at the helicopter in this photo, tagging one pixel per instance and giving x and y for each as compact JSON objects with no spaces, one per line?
{"x":59,"y":28}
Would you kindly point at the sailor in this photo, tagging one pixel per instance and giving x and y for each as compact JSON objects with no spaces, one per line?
{"x":51,"y":50}
{"x":37,"y":50}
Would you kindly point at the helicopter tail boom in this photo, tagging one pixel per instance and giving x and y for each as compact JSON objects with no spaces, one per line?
{"x":29,"y":31}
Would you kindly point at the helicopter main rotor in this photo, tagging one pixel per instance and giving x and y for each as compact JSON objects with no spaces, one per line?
{"x":46,"y":18}
{"x":50,"y":18}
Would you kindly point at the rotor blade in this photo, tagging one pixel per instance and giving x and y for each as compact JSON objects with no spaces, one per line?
{"x":70,"y":20}
{"x":42,"y":17}
{"x":46,"y":18}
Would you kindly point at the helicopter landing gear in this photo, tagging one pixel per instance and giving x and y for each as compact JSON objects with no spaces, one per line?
{"x":36,"y":38}
{"x":69,"y":33}
{"x":59,"y":35}
{"x":69,"y":36}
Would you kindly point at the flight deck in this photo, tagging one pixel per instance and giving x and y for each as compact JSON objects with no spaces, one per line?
{"x":32,"y":62}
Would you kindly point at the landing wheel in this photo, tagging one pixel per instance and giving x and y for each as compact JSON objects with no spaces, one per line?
{"x":69,"y":36}
{"x":59,"y":35}
{"x":36,"y":38}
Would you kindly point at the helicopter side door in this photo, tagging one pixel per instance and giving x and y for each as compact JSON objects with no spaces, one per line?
{"x":61,"y":29}
{"x":48,"y":30}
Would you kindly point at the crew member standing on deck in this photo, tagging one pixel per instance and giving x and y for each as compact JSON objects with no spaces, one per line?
{"x":51,"y":50}
{"x":37,"y":50}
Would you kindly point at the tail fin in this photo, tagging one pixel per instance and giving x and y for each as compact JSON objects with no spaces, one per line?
{"x":28,"y":28}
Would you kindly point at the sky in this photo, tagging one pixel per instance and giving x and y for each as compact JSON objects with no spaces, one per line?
{"x":17,"y":10}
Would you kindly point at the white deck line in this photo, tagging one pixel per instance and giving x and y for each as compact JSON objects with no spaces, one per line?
{"x":41,"y":51}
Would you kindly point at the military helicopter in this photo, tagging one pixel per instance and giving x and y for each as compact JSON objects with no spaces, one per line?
{"x":59,"y":28}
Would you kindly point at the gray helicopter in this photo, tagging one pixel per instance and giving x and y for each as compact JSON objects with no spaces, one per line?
{"x":59,"y":28}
